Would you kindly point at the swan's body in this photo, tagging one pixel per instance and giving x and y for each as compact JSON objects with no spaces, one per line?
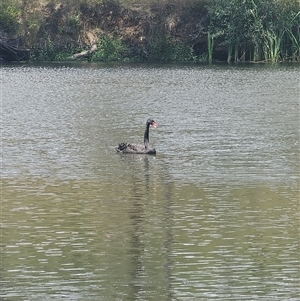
{"x":146,"y":148}
{"x":129,"y":148}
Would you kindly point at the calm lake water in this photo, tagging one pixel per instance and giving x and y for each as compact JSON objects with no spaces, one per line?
{"x":214,"y":216}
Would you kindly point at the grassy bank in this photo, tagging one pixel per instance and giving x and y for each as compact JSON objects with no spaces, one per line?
{"x":155,"y":30}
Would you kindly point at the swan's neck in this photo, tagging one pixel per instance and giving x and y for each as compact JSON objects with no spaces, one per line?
{"x":146,"y":135}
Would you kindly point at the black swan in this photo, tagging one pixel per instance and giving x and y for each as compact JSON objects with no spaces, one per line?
{"x":128,"y":148}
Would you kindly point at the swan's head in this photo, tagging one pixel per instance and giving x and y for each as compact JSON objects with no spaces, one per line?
{"x":151,"y":122}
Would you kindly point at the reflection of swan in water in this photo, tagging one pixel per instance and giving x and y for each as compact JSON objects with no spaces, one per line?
{"x":148,"y":182}
{"x":128,"y":148}
{"x":140,"y":169}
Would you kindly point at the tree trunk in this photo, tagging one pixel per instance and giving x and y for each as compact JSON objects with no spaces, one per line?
{"x":88,"y":53}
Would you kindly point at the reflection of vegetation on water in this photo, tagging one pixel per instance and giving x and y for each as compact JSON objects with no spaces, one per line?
{"x":196,"y":30}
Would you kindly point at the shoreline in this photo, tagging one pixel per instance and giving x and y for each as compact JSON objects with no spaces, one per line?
{"x":157,"y":31}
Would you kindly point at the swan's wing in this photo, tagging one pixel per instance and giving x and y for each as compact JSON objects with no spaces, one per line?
{"x":137,"y":147}
{"x":131,"y":148}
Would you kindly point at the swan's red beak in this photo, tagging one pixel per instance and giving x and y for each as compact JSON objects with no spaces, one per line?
{"x":153,"y":124}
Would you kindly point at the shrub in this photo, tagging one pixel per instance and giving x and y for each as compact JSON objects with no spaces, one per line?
{"x":9,"y":15}
{"x":110,"y":49}
{"x":166,"y":48}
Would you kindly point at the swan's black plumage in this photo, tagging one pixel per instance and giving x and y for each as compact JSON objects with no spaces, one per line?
{"x":146,"y":148}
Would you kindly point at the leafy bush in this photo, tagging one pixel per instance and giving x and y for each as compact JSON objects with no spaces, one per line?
{"x":110,"y":49}
{"x":168,"y":49}
{"x":51,"y":52}
{"x":9,"y":14}
{"x":255,"y":30}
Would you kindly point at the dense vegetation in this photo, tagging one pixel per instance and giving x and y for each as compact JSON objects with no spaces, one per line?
{"x":155,"y":30}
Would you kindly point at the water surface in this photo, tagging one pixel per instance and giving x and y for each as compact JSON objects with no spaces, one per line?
{"x":214,"y":216}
